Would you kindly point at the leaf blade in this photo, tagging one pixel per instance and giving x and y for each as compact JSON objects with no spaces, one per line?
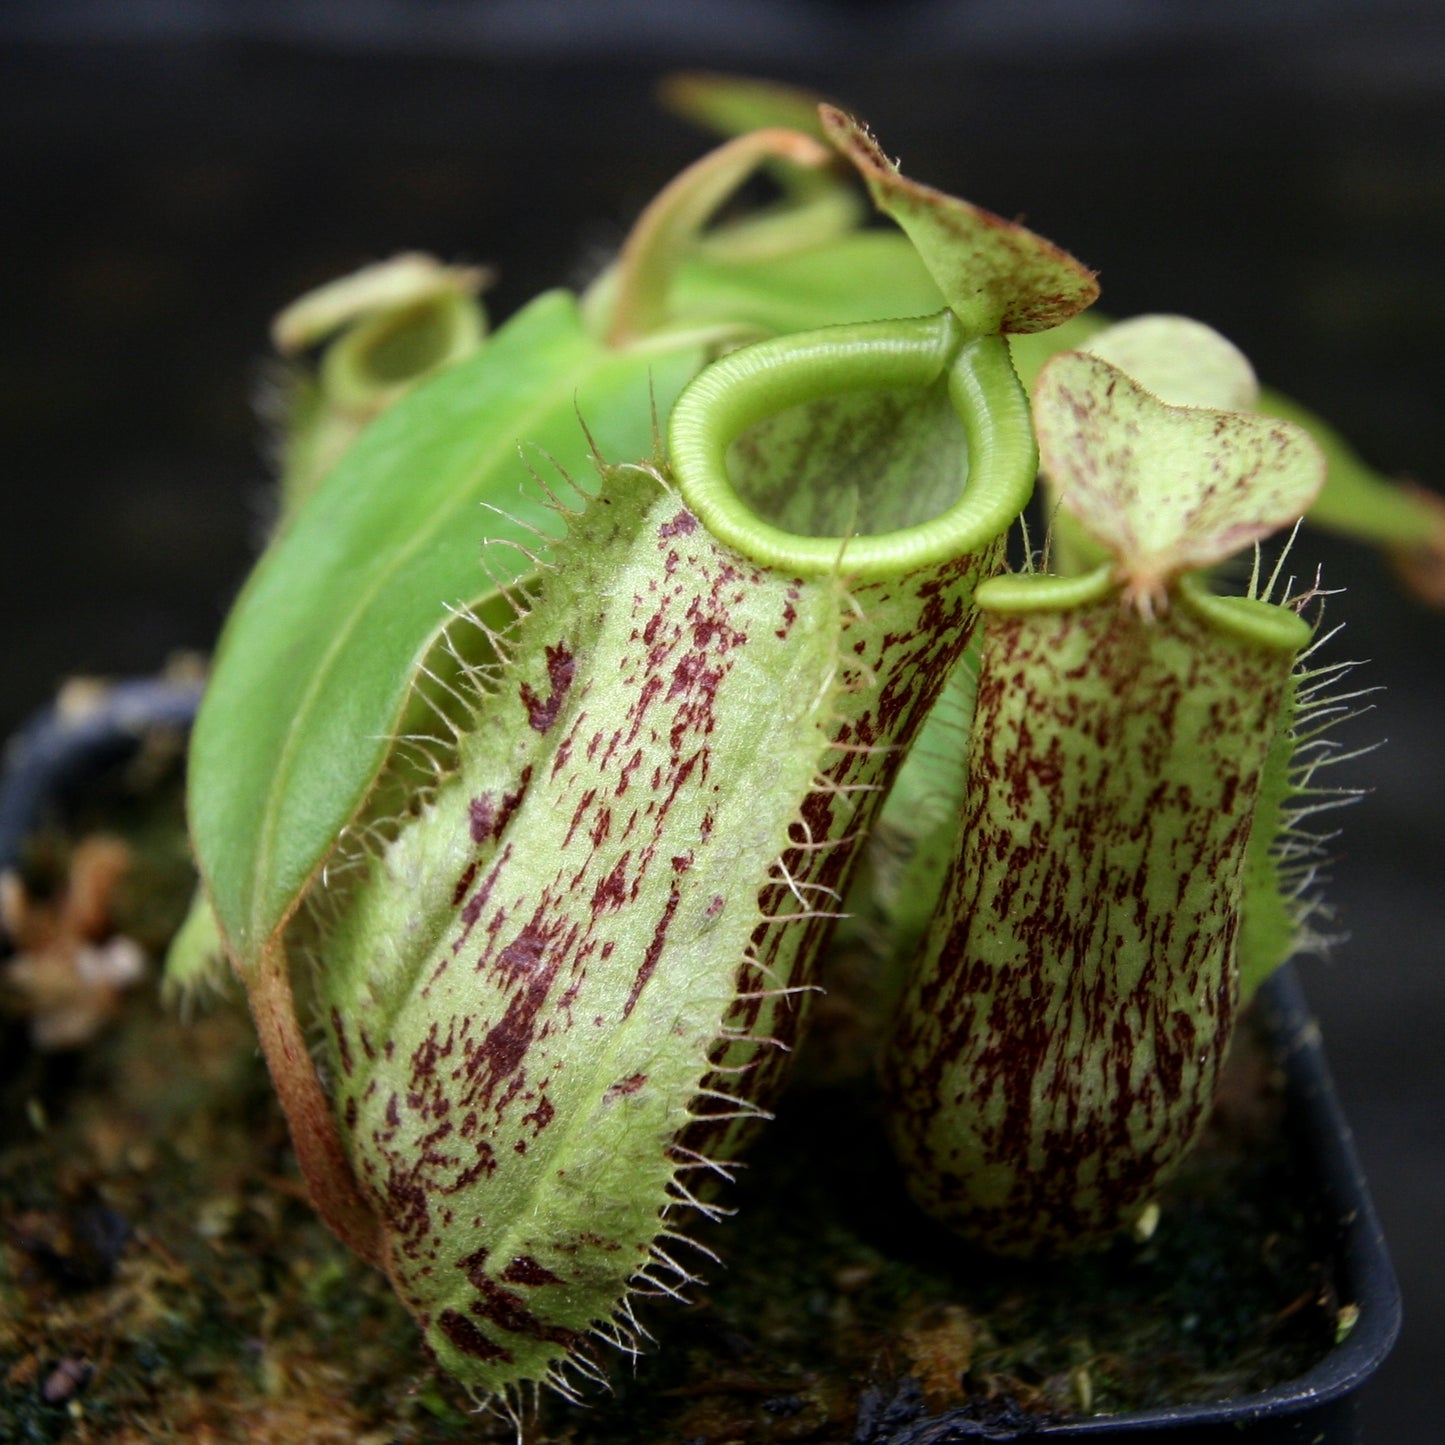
{"x":298,"y":718}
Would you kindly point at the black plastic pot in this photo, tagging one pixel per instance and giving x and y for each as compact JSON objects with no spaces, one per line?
{"x":62,"y":748}
{"x":56,"y":753}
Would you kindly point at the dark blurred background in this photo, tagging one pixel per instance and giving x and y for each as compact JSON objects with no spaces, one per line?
{"x":173,"y":172}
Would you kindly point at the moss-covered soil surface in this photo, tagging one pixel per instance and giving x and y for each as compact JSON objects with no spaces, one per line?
{"x":163,"y":1279}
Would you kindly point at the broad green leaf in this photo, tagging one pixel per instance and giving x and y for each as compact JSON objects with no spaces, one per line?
{"x":321,"y":651}
{"x":865,"y":276}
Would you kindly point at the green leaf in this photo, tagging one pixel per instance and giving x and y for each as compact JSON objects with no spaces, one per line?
{"x":672,"y":224}
{"x":733,"y":104}
{"x":323,"y":647}
{"x":1358,"y":501}
{"x":1406,"y":519}
{"x":865,"y":276}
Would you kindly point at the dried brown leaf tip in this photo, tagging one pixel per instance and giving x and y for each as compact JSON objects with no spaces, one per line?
{"x":996,"y":275}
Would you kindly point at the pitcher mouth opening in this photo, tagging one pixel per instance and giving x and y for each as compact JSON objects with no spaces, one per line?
{"x":894,"y":444}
